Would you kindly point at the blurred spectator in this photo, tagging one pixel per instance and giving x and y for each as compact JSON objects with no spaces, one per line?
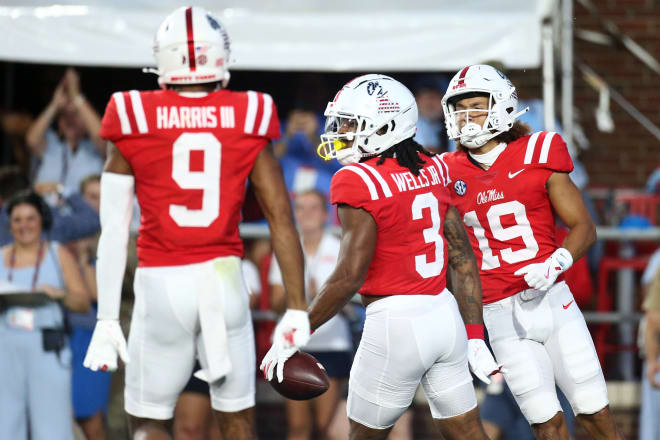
{"x":331,"y":343}
{"x":91,"y":389}
{"x":73,"y":220}
{"x":431,"y":132}
{"x":302,"y":167}
{"x":653,"y":181}
{"x":649,"y":428}
{"x":14,"y":126}
{"x":252,"y":281}
{"x":35,"y":366}
{"x":74,"y":150}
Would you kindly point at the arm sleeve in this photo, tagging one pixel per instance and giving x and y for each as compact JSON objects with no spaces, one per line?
{"x":116,"y":211}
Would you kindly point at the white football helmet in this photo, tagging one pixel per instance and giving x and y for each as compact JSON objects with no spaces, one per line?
{"x":191,"y":47}
{"x":502,"y":104}
{"x":380,"y":111}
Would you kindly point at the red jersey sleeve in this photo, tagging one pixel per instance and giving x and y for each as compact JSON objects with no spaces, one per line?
{"x":273,"y":124}
{"x":547,"y":150}
{"x":111,"y":125}
{"x":261,"y":118}
{"x":349,"y":187}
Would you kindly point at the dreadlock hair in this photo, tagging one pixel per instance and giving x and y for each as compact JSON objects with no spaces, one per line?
{"x":406,"y":154}
{"x":519,"y":129}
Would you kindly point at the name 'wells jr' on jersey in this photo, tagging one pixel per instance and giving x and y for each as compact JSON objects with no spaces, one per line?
{"x":506,"y":209}
{"x":191,"y":155}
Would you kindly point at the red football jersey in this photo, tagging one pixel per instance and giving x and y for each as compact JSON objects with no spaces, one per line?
{"x":506,"y":209}
{"x":411,"y":253}
{"x":191,"y":157}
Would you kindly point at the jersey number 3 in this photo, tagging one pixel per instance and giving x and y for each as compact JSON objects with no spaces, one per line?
{"x":207,"y":180}
{"x":431,"y":235}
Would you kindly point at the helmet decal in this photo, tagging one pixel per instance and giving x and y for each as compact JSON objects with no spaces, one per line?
{"x":192,"y":47}
{"x":191,"y":39}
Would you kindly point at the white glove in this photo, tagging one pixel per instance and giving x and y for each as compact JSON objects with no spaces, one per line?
{"x":107,"y":341}
{"x":290,"y":333}
{"x":542,"y":276}
{"x":276,"y":357}
{"x":481,"y":360}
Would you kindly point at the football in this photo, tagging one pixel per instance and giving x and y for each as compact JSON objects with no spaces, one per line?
{"x":304,"y":378}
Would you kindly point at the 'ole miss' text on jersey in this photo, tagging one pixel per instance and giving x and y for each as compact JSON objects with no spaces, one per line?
{"x":409,"y":211}
{"x":190,"y":157}
{"x":506,"y":209}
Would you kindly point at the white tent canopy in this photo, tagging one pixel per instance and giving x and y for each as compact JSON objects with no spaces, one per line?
{"x":313,"y":35}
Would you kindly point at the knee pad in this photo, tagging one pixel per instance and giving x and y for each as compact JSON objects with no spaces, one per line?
{"x":590,"y":399}
{"x":540,"y":407}
{"x":577,"y":351}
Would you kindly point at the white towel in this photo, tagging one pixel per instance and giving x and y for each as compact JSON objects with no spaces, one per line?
{"x":212,"y":321}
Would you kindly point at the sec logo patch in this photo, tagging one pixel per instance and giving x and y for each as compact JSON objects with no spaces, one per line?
{"x":460,"y":187}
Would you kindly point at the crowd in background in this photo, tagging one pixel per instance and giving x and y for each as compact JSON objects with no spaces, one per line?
{"x":49,"y":226}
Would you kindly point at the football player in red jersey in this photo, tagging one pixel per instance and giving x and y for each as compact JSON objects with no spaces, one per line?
{"x":398,"y":234}
{"x":507,"y":186}
{"x":187,"y":151}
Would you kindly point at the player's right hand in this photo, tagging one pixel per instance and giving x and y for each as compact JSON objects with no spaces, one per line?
{"x":293,"y":329}
{"x":275,"y":358}
{"x":107,"y":342}
{"x":291,"y":333}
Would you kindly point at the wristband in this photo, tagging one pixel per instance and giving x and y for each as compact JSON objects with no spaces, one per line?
{"x":474,"y":331}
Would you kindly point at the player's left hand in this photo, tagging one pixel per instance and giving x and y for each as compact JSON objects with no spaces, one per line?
{"x":107,"y":342}
{"x":542,"y":276}
{"x":481,"y":361}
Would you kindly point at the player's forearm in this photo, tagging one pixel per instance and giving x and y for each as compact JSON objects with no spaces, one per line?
{"x":463,"y":270}
{"x":286,"y":245}
{"x":467,"y":291}
{"x":580,"y":238}
{"x":331,"y":299}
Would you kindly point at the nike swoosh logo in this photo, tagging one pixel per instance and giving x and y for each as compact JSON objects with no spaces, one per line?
{"x":512,"y":175}
{"x":567,"y":305}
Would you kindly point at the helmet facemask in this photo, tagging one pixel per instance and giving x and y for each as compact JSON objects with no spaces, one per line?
{"x":473,"y":135}
{"x":350,"y":145}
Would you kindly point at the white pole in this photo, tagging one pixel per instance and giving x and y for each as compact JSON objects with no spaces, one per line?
{"x":567,"y":73}
{"x":548,"y":78}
